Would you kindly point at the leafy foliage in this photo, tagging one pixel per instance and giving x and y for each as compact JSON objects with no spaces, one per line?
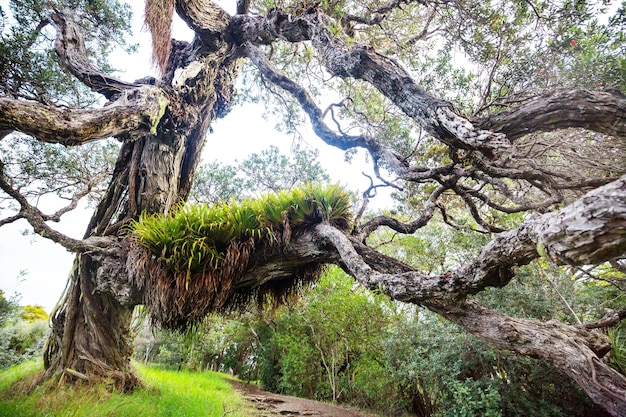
{"x":23,"y":331}
{"x":32,"y":313}
{"x":22,"y":341}
{"x":28,"y":63}
{"x":7,"y":308}
{"x":270,"y":171}
{"x":215,"y":182}
{"x":267,"y":171}
{"x":40,"y":169}
{"x":618,"y":341}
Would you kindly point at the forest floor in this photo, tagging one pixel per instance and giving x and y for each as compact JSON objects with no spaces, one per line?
{"x":269,"y":404}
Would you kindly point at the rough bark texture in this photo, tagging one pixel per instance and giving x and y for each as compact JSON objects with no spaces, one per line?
{"x":138,"y":111}
{"x":163,"y":129}
{"x":600,"y":111}
{"x":90,"y":338}
{"x":575,"y":351}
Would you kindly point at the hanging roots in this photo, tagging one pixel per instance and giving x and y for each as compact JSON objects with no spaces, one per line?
{"x":190,"y":262}
{"x":176,"y":300}
{"x":158,"y":18}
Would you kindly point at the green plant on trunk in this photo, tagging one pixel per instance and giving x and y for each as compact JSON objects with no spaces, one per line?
{"x":192,"y":258}
{"x":195,"y":236}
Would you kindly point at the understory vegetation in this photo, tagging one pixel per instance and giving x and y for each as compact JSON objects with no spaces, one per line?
{"x":338,"y":342}
{"x":23,"y":331}
{"x":166,"y":393}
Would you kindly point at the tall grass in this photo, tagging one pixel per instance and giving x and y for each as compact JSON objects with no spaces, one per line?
{"x":167,"y":393}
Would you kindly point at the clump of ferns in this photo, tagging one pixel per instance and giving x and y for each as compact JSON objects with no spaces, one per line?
{"x":196,"y":236}
{"x":617,"y":335}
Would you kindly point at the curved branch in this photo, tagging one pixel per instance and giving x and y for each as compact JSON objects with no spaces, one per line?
{"x":600,"y":111}
{"x":573,"y":350}
{"x":590,"y":230}
{"x":56,"y":216}
{"x":474,"y":212}
{"x":70,"y":47}
{"x":508,"y":209}
{"x":362,"y":62}
{"x":137,"y":110}
{"x":10,"y":219}
{"x":316,"y":115}
{"x":208,"y":20}
{"x":38,"y":222}
{"x":610,"y":319}
{"x":363,"y":231}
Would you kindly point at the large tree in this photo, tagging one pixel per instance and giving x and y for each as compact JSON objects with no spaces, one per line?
{"x":536,"y":125}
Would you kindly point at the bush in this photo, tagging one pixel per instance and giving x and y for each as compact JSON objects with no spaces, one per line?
{"x":22,"y":341}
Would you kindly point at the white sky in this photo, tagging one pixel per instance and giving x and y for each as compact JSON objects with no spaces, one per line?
{"x":239,"y":134}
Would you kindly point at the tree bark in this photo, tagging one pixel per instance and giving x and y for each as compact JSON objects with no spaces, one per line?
{"x":600,"y":111}
{"x":90,"y":339}
{"x":137,"y":111}
{"x":163,"y":130}
{"x":573,"y":350}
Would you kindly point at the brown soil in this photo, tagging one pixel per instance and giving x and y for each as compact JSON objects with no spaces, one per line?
{"x":269,"y":405}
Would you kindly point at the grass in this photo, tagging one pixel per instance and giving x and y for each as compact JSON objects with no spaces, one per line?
{"x":167,"y":393}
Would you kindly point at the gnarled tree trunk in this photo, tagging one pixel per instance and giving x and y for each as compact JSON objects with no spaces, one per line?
{"x":163,"y":124}
{"x":153,"y":173}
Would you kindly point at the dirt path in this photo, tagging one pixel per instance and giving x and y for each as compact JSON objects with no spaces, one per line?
{"x":270,"y":405}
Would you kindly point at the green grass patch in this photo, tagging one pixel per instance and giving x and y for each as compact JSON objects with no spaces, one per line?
{"x":167,"y":393}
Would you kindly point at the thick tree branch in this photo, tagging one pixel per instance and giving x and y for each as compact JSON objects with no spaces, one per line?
{"x":70,"y":46}
{"x":600,"y":111}
{"x":361,"y":62}
{"x":208,"y":20}
{"x":316,"y":115}
{"x":571,"y":349}
{"x":137,"y":110}
{"x":610,"y":319}
{"x":590,"y":230}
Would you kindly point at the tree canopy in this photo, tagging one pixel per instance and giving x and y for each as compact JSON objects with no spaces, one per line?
{"x":504,"y":119}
